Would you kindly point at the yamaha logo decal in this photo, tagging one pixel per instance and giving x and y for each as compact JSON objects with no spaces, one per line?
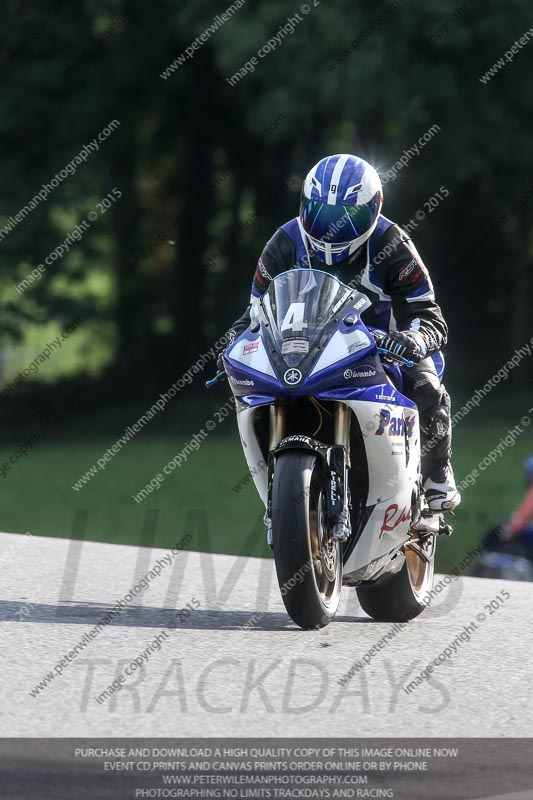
{"x":292,"y":377}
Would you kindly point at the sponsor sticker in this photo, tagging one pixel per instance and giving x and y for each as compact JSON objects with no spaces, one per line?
{"x":250,"y":348}
{"x":393,"y":517}
{"x":365,"y":372}
{"x":298,"y":437}
{"x":294,"y":346}
{"x":262,"y":269}
{"x":405,"y":271}
{"x":261,"y":274}
{"x":238,"y":382}
{"x":394,"y":426}
{"x":292,"y":377}
{"x":360,"y":344}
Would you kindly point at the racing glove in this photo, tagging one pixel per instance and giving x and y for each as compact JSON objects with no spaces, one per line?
{"x":232,"y":335}
{"x":238,"y":327}
{"x":408,"y":344}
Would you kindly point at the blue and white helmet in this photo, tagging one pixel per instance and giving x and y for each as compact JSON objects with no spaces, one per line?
{"x":341,"y":203}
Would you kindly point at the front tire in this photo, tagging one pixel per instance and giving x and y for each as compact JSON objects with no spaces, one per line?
{"x":308,"y":562}
{"x":402,"y":596}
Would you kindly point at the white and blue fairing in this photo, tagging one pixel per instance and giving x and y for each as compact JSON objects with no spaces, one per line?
{"x":307,"y":340}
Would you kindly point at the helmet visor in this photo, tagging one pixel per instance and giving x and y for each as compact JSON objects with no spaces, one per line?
{"x":338,"y":224}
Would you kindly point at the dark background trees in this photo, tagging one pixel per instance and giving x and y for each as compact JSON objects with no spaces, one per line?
{"x":202,"y":167}
{"x":193,"y":148}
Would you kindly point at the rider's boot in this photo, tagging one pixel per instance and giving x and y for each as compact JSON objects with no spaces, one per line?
{"x":437,"y":473}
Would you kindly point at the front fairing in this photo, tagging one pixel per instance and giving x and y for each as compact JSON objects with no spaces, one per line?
{"x":309,"y":339}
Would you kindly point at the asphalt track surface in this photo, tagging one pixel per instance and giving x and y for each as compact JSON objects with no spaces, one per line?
{"x":236,"y":665}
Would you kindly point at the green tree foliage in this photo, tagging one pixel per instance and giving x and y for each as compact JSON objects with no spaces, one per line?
{"x":202,"y":164}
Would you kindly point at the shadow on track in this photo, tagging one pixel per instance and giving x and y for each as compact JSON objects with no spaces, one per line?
{"x":77,"y":613}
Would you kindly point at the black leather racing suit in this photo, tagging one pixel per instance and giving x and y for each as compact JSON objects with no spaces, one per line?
{"x":391,"y":273}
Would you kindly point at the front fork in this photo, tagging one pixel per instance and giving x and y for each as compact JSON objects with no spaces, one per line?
{"x":339,"y":464}
{"x":336,"y":459}
{"x":342,"y":427}
{"x":277,"y":426}
{"x":276,"y":433}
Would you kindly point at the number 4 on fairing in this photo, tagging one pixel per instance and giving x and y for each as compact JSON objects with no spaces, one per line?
{"x":294,"y":318}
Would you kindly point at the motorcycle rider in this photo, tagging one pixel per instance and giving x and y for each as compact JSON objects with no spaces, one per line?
{"x":340,"y":230}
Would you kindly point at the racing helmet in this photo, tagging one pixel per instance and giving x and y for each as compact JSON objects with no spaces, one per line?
{"x":340,"y":206}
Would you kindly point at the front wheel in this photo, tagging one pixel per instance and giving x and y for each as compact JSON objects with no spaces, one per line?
{"x":308,"y":562}
{"x":403,"y":596}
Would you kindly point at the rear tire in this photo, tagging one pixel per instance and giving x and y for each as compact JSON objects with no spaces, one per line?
{"x":401,"y":597}
{"x":308,"y":563}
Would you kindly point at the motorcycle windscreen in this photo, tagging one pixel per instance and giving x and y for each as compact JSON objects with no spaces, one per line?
{"x":299,"y":305}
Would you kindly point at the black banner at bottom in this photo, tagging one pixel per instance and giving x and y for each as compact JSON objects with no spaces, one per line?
{"x":405,"y":769}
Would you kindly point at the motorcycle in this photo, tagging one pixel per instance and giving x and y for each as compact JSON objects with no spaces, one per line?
{"x":320,"y":403}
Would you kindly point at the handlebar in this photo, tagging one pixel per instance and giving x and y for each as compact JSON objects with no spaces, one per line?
{"x":400,"y":359}
{"x":218,"y":377}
